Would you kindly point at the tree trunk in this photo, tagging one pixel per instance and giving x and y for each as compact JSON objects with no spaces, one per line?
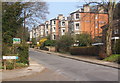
{"x":108,"y":42}
{"x":109,"y":31}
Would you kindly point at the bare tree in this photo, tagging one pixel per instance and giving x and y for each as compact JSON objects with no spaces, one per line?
{"x":35,"y":12}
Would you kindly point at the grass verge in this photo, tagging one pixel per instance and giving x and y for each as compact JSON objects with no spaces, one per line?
{"x":113,"y":58}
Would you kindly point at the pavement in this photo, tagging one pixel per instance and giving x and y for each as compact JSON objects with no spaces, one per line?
{"x":34,"y":68}
{"x":84,"y":59}
{"x":45,"y":75}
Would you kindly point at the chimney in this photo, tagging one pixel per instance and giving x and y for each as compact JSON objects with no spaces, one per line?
{"x":86,"y":8}
{"x":60,"y":16}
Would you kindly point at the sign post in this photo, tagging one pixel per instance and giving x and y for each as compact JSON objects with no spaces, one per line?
{"x":16,"y":40}
{"x":4,"y":64}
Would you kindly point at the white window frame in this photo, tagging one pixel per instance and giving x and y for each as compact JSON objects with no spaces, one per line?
{"x":77,"y":28}
{"x":63,"y":24}
{"x":76,"y":16}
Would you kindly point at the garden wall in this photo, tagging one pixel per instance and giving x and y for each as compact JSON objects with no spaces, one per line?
{"x":92,"y":50}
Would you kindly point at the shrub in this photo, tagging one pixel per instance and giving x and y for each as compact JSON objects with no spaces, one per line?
{"x":1,"y":67}
{"x":6,"y":49}
{"x":34,"y":42}
{"x":32,"y":46}
{"x":20,"y":50}
{"x":50,"y":43}
{"x":113,"y":58}
{"x":23,"y":53}
{"x":92,"y":50}
{"x":9,"y":65}
{"x":64,"y":42}
{"x":84,"y":39}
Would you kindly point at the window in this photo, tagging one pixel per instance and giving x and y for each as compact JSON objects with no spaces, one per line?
{"x":101,"y":22}
{"x":77,"y":25}
{"x":54,"y":22}
{"x":87,"y":20}
{"x":96,"y":26}
{"x":77,"y":16}
{"x":54,"y":36}
{"x":63,"y":31}
{"x":47,"y":33}
{"x":63,"y":23}
{"x":46,"y":26}
{"x":54,"y":28}
{"x":96,"y":17}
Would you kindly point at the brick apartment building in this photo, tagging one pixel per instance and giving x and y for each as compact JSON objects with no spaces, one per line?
{"x":37,"y":32}
{"x":47,"y":29}
{"x":87,"y":21}
{"x":54,"y":28}
{"x":63,"y":24}
{"x":59,"y":26}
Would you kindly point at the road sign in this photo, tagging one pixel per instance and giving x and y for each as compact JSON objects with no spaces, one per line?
{"x":10,"y":57}
{"x":16,"y":40}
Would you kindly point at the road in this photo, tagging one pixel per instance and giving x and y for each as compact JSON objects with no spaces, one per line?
{"x":71,"y":70}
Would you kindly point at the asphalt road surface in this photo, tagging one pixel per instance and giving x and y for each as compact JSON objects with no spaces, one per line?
{"x":71,"y":69}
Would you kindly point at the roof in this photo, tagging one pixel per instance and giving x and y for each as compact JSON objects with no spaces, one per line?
{"x":42,"y":25}
{"x":77,"y":11}
{"x":54,"y":19}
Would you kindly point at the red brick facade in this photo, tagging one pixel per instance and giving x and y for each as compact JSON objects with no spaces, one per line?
{"x":91,"y":23}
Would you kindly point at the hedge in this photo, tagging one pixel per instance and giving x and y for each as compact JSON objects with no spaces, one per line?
{"x":92,"y":50}
{"x":23,"y":54}
{"x":21,"y":50}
